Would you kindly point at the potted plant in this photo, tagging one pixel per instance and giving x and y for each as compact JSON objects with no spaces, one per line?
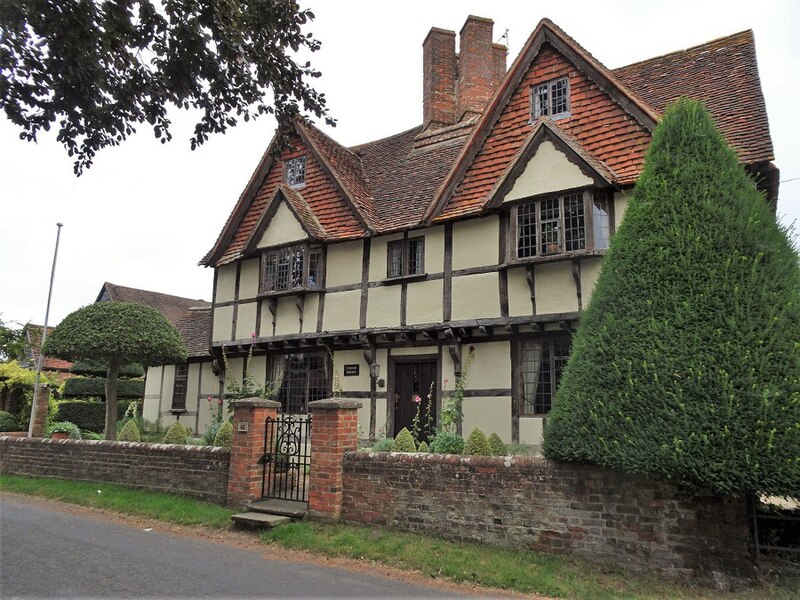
{"x":63,"y":430}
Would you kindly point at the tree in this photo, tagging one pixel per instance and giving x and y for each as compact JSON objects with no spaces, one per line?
{"x":102,"y":68}
{"x":686,"y":363}
{"x":116,"y":333}
{"x":11,"y":342}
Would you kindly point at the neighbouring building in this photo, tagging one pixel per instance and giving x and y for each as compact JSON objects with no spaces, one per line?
{"x":376,"y":270}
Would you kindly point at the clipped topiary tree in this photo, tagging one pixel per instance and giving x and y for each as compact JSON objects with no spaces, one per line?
{"x":224,"y":437}
{"x":423,"y":447}
{"x":8,"y":422}
{"x":404,"y":442}
{"x":176,"y":434}
{"x":116,"y":333}
{"x":497,"y":446}
{"x":477,"y":444}
{"x":129,"y":432}
{"x":686,"y":361}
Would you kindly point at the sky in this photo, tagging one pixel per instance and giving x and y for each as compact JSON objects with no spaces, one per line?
{"x":146,"y":213}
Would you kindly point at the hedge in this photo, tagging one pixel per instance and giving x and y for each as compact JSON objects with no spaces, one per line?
{"x":85,"y":414}
{"x":80,"y":387}
{"x":96,"y":369}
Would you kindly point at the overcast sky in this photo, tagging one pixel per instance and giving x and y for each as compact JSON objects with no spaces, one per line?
{"x":146,"y":213}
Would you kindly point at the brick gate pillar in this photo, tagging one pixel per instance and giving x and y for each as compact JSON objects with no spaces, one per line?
{"x":246,"y":475}
{"x":39,"y":420}
{"x":334,"y":431}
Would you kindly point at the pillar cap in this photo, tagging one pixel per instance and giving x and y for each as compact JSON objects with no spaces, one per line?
{"x":254,"y":403}
{"x":334,"y":404}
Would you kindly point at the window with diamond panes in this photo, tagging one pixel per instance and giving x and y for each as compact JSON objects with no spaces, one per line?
{"x":296,"y":171}
{"x":299,"y":379}
{"x":291,"y":267}
{"x":550,"y":98}
{"x":406,"y":257}
{"x":541,"y":364}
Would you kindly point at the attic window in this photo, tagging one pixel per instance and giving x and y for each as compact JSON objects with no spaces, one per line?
{"x":551,"y":98}
{"x":295,"y":174}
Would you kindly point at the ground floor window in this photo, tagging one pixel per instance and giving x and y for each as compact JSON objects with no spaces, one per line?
{"x":541,"y":362}
{"x":179,"y":387}
{"x":300,"y":378}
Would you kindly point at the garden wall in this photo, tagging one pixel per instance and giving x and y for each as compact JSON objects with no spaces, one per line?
{"x":589,"y":512}
{"x":197,"y":471}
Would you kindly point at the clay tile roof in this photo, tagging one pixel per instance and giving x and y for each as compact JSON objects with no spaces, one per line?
{"x":195,"y":330}
{"x":172,"y":307}
{"x":303,"y":211}
{"x":33,"y":335}
{"x":723,"y":73}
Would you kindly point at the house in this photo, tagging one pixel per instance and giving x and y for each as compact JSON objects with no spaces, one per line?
{"x":383,"y":270}
{"x":31,"y":346}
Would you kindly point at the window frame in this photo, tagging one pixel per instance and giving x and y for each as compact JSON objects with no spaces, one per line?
{"x":184,"y":378}
{"x":286,"y":170}
{"x":555,"y":370}
{"x":308,"y":249}
{"x":550,"y":86}
{"x":282,"y":392}
{"x":405,"y":244}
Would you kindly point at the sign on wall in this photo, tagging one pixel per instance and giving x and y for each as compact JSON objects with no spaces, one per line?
{"x":351,"y":370}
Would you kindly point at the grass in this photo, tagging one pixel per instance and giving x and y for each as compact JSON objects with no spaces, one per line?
{"x":164,"y":507}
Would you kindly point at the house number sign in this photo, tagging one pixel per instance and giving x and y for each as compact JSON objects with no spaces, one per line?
{"x":351,"y":370}
{"x":242,"y":426}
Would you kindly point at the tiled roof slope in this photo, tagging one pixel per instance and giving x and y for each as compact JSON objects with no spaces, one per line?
{"x":195,"y":329}
{"x":172,"y":307}
{"x":724,"y":73}
{"x":33,"y":339}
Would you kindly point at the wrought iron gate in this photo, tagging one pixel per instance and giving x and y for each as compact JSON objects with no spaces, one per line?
{"x":287,"y":457}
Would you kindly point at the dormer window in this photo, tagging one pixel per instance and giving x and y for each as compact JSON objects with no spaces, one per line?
{"x":550,"y":99}
{"x":295,"y":173}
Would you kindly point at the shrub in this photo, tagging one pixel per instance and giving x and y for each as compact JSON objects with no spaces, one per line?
{"x":447,"y":442}
{"x":225,"y":435}
{"x":383,"y":445}
{"x":64,"y":427}
{"x":211,"y":431}
{"x":8,"y":422}
{"x":129,"y":432}
{"x":497,"y":446}
{"x":89,"y":415}
{"x":404,"y":442}
{"x":477,"y":444}
{"x":686,"y":364}
{"x":79,"y":387}
{"x":96,"y":369}
{"x":517,"y":449}
{"x":90,"y":435}
{"x":176,"y":434}
{"x":423,"y":447}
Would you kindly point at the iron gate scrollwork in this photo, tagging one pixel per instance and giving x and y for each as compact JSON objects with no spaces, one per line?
{"x":287,"y":457}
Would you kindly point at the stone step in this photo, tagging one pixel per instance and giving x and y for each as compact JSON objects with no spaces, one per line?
{"x":286,"y":508}
{"x":259,"y":520}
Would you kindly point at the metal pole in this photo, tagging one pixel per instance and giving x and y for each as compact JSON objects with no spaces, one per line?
{"x":44,"y":334}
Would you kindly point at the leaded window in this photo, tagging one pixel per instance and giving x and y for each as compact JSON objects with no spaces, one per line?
{"x":295,"y":173}
{"x":601,"y":220}
{"x":291,"y":267}
{"x":551,"y":98}
{"x":406,"y":257}
{"x":541,"y":362}
{"x":179,"y":387}
{"x":299,"y":379}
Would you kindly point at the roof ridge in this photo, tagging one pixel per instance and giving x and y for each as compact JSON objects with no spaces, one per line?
{"x":126,"y":287}
{"x":383,"y":139}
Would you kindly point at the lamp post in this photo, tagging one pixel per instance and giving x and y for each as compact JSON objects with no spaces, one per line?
{"x":39,"y":362}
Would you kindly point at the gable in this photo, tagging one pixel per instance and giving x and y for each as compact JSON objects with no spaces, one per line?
{"x":282,"y":228}
{"x":549,"y":170}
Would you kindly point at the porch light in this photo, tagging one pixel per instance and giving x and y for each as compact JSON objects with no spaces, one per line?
{"x":374,"y":370}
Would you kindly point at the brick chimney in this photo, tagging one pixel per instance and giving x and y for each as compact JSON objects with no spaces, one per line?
{"x":476,"y":66}
{"x":439,"y":73}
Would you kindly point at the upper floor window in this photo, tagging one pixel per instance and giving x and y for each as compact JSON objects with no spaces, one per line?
{"x":542,"y":363}
{"x":567,"y":223}
{"x":406,"y":257}
{"x":551,"y":98}
{"x":292,"y":267}
{"x":295,"y":174}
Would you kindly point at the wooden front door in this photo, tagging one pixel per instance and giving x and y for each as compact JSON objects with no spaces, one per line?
{"x":412,"y":379}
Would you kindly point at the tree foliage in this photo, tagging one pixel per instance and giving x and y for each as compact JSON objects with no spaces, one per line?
{"x":12,"y":342}
{"x":116,"y":333}
{"x":686,"y":363}
{"x":96,"y":69}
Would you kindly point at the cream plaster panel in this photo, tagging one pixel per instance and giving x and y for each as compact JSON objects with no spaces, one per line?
{"x":283,"y":228}
{"x":383,"y":306}
{"x":434,"y":248}
{"x":234,"y":374}
{"x":621,"y":200}
{"x":424,"y":302}
{"x":226,"y":283}
{"x":530,"y":430}
{"x":380,"y":418}
{"x":265,"y":330}
{"x":377,"y":255}
{"x":490,"y":415}
{"x":342,"y":310}
{"x":491,"y":367}
{"x":590,"y":271}
{"x":476,"y":242}
{"x":167,"y":387}
{"x":519,"y":293}
{"x":448,"y":373}
{"x":288,"y":320}
{"x":258,"y":369}
{"x":344,"y":263}
{"x":246,"y":320}
{"x":310,"y":311}
{"x":193,"y":387}
{"x":209,"y":383}
{"x":358,"y":383}
{"x":555,"y":288}
{"x":475,"y":297}
{"x":152,"y":393}
{"x":549,"y":170}
{"x":248,"y":278}
{"x":223,"y":322}
{"x":410,"y":351}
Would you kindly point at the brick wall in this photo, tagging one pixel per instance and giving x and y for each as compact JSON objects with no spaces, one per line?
{"x":197,"y":471}
{"x":588,"y":512}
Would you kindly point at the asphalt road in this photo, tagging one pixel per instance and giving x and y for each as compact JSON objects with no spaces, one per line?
{"x":45,"y":553}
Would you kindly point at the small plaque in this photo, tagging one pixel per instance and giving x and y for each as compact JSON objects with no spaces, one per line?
{"x":351,"y":370}
{"x":242,"y":427}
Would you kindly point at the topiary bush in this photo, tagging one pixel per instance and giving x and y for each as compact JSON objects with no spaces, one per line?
{"x":129,"y":432}
{"x":404,"y":442}
{"x":477,"y":444}
{"x":224,"y":437}
{"x":176,"y":434}
{"x":8,"y":422}
{"x":497,"y":446}
{"x":686,"y":362}
{"x":80,"y":387}
{"x":423,"y":447}
{"x":63,"y":427}
{"x":86,"y":414}
{"x":446,"y":442}
{"x":97,"y":369}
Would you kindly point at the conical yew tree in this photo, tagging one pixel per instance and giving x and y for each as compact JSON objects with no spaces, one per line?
{"x":687,"y":361}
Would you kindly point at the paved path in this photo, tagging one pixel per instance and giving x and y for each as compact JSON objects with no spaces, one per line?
{"x":46,"y":553}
